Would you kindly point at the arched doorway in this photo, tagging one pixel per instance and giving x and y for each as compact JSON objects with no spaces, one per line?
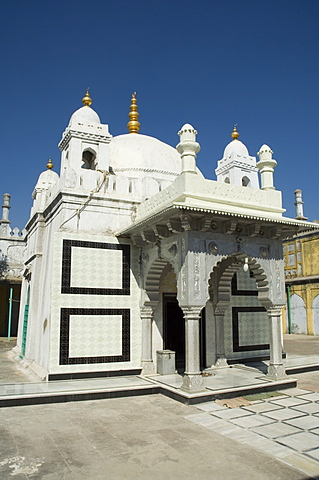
{"x":168,"y":319}
{"x":237,"y":322}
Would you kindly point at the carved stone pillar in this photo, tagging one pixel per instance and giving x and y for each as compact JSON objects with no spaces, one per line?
{"x":192,"y":380}
{"x":276,"y":370}
{"x":221,"y":360}
{"x":147,"y":319}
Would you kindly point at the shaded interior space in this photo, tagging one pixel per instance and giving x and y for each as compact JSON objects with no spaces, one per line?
{"x":9,"y":293}
{"x":174,"y":332}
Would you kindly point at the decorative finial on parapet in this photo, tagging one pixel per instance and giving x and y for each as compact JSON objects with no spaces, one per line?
{"x":235,"y":134}
{"x":188,"y":148}
{"x":266,"y":167}
{"x":133,"y":125}
{"x":87,"y":100}
{"x":50,"y":164}
{"x":299,"y":205}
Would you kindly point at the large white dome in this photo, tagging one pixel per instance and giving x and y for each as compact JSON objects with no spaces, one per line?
{"x":84,"y":115}
{"x":143,"y":153}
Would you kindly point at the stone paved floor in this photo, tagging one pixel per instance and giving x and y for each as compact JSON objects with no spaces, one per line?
{"x":136,"y":438}
{"x":301,"y":344}
{"x":112,"y":438}
{"x":285,"y":426}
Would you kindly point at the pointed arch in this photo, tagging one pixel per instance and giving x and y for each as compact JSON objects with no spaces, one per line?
{"x":153,"y":278}
{"x":223,"y":272}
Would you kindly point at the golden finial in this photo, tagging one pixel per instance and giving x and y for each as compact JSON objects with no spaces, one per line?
{"x":133,"y":125}
{"x":235,"y":134}
{"x":87,"y":100}
{"x":50,"y":164}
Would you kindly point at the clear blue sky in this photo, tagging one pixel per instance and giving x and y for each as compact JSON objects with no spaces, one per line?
{"x":212,"y":63}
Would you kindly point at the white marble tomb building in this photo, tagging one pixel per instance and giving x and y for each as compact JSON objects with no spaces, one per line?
{"x":130,"y":250}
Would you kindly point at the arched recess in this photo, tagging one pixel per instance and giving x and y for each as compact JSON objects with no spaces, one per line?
{"x":245,"y":181}
{"x":168,"y":323}
{"x":152,"y":281}
{"x":223,"y":272}
{"x":298,"y":314}
{"x":315,"y":315}
{"x":89,"y":159}
{"x":242,"y":328}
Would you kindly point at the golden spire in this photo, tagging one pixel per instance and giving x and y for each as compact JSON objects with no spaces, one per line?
{"x":50,"y":164}
{"x":235,"y":134}
{"x":133,"y":125}
{"x":87,"y":100}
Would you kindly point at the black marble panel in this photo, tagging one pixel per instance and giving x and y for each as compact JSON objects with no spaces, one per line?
{"x":67,"y":265}
{"x":65,"y":336}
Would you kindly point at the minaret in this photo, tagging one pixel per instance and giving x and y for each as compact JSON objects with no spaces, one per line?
{"x":84,"y":144}
{"x":299,"y":205}
{"x":133,"y":125}
{"x":5,"y":222}
{"x":266,"y":167}
{"x":188,"y":148}
{"x":237,"y":167}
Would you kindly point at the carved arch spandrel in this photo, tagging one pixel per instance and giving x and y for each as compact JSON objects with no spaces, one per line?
{"x":223,"y":272}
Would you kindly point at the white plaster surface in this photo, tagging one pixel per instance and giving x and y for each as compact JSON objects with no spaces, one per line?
{"x":315,"y":309}
{"x":92,"y":336}
{"x":298,"y":314}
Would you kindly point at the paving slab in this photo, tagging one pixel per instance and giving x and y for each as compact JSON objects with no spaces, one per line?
{"x":210,"y":406}
{"x":289,"y":401}
{"x":314,"y":453}
{"x":263,"y":407}
{"x":301,"y":442}
{"x":229,"y":413}
{"x":275,"y":430}
{"x":305,"y":463}
{"x":312,"y":396}
{"x":310,"y":408}
{"x":283,"y":414}
{"x":252,"y":421}
{"x":307,"y":422}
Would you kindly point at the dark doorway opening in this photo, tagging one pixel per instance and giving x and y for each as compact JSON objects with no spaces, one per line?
{"x":5,"y":289}
{"x":174,"y":331}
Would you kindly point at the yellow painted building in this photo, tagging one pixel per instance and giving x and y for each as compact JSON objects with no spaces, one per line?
{"x":301,"y":254}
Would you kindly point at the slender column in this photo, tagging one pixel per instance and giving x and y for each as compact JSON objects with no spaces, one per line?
{"x":5,"y":222}
{"x":299,"y":205}
{"x":276,"y":369}
{"x":192,"y":380}
{"x":221,"y":360}
{"x":147,"y":320}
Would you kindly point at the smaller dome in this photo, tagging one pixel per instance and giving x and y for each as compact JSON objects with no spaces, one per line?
{"x":47,"y":179}
{"x":84,"y":115}
{"x":236,"y":148}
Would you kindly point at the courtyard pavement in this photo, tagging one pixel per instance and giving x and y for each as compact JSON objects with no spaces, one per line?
{"x":153,"y":437}
{"x":136,"y":438}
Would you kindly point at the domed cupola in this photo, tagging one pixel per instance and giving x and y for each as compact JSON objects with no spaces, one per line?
{"x":84,"y":115}
{"x":46,"y":182}
{"x":84,"y":143}
{"x":237,"y":167}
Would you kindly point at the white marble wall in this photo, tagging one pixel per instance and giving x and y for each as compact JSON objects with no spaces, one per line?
{"x":94,"y":335}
